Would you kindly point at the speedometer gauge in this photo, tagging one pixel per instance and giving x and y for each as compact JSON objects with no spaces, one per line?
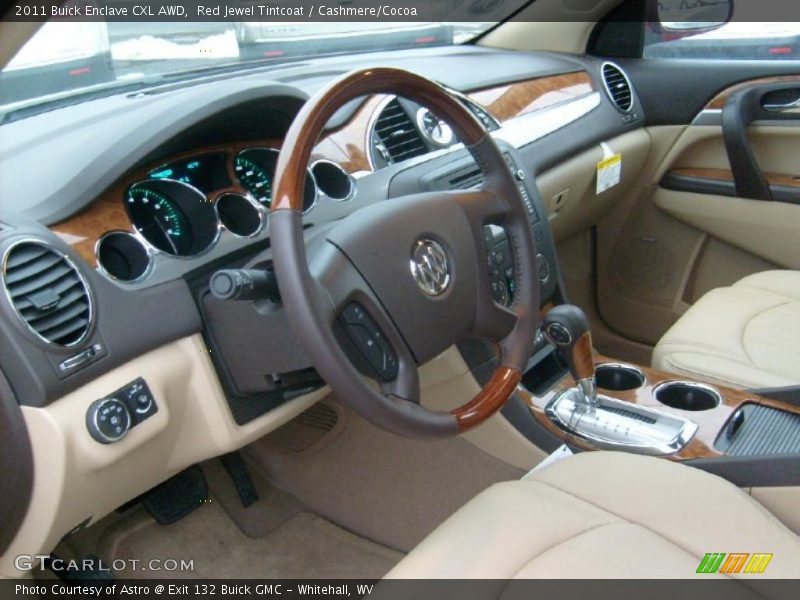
{"x":172,"y":216}
{"x":255,"y":178}
{"x":255,"y":170}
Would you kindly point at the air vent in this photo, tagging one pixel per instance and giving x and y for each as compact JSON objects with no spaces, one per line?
{"x":398,"y":134}
{"x":618,"y":87}
{"x":48,"y":293}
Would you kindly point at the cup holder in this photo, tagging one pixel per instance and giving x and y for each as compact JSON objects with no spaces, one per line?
{"x":618,"y":378}
{"x":687,"y":395}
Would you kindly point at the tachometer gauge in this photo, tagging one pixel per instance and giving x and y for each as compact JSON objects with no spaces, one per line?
{"x":435,"y":130}
{"x":172,"y":216}
{"x":255,"y":170}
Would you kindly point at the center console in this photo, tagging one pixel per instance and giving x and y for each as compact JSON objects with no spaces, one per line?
{"x":601,"y":404}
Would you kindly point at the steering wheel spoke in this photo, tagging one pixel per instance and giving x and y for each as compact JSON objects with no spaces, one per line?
{"x":362,"y":327}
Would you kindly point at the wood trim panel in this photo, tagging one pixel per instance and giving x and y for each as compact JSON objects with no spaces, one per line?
{"x":517,"y":99}
{"x":718,"y":101}
{"x":494,"y":394}
{"x":710,"y":422}
{"x":726,"y":175}
{"x":107,"y":212}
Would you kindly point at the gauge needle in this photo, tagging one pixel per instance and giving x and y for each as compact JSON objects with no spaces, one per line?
{"x":167,"y":235}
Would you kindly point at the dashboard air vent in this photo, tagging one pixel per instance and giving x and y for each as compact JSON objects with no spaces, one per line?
{"x":398,"y":134}
{"x":618,"y":87}
{"x":48,"y":293}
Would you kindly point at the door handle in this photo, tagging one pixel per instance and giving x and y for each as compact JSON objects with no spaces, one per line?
{"x":782,"y":101}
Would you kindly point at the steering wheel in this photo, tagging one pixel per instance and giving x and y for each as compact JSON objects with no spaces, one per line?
{"x":404,"y":279}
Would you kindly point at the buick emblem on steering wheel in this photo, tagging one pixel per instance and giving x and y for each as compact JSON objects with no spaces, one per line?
{"x":430,"y":267}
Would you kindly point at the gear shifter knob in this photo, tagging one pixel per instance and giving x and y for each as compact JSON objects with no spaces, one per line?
{"x":567,"y":327}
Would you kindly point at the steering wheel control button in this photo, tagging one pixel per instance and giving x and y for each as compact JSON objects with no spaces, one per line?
{"x":500,"y":260}
{"x":108,"y":420}
{"x":370,"y":342}
{"x":430,"y":267}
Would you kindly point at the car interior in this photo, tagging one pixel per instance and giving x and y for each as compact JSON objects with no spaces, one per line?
{"x":491,"y":310}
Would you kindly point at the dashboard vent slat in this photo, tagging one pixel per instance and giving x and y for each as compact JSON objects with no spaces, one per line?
{"x":48,"y":293}
{"x":398,"y":134}
{"x":618,"y":87}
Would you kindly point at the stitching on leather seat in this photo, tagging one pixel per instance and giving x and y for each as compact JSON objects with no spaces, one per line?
{"x":678,"y":367}
{"x":567,"y":539}
{"x":579,"y":534}
{"x":747,"y":324}
{"x":621,"y":518}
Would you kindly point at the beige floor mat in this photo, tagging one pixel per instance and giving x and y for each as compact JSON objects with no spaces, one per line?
{"x":383,"y":487}
{"x":304,"y":546}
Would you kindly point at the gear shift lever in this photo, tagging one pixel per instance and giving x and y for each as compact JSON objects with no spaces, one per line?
{"x":567,"y":327}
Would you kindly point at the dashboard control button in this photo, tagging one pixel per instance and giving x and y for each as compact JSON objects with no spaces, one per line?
{"x":108,"y":420}
{"x":139,"y":400}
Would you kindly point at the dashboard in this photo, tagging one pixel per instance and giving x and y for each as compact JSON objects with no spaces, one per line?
{"x":183,"y":205}
{"x":122,"y":208}
{"x":174,"y":184}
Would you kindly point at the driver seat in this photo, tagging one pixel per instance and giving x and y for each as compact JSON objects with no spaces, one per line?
{"x":603,"y":515}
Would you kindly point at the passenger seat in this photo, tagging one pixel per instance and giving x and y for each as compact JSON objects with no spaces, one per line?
{"x":746,"y":335}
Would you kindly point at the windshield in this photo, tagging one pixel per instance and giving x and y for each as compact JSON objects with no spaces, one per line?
{"x":72,"y":55}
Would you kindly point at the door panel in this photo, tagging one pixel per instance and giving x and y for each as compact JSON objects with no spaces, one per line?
{"x":678,"y":242}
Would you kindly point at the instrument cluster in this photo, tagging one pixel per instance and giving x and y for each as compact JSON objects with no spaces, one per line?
{"x":182,"y":208}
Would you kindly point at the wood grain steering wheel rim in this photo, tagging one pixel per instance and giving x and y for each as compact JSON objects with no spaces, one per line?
{"x":312,"y":301}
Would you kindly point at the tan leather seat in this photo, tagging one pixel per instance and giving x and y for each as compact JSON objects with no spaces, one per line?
{"x":603,"y":515}
{"x":746,"y":335}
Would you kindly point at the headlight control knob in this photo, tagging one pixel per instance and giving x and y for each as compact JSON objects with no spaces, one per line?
{"x":108,"y":420}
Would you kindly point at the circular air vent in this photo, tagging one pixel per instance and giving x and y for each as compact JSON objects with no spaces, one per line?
{"x":48,"y":292}
{"x":618,"y":86}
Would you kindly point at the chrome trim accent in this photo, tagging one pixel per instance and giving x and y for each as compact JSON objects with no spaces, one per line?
{"x":260,"y":210}
{"x":107,"y":438}
{"x":608,"y":63}
{"x":192,"y":189}
{"x":313,"y":205}
{"x":623,"y":367}
{"x":139,"y":239}
{"x":588,"y":387}
{"x":371,"y":127}
{"x":562,"y":330}
{"x":350,"y":179}
{"x":708,"y":117}
{"x":419,"y":120}
{"x":87,"y":290}
{"x":430,"y":267}
{"x":715,"y":393}
{"x":606,"y":428}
